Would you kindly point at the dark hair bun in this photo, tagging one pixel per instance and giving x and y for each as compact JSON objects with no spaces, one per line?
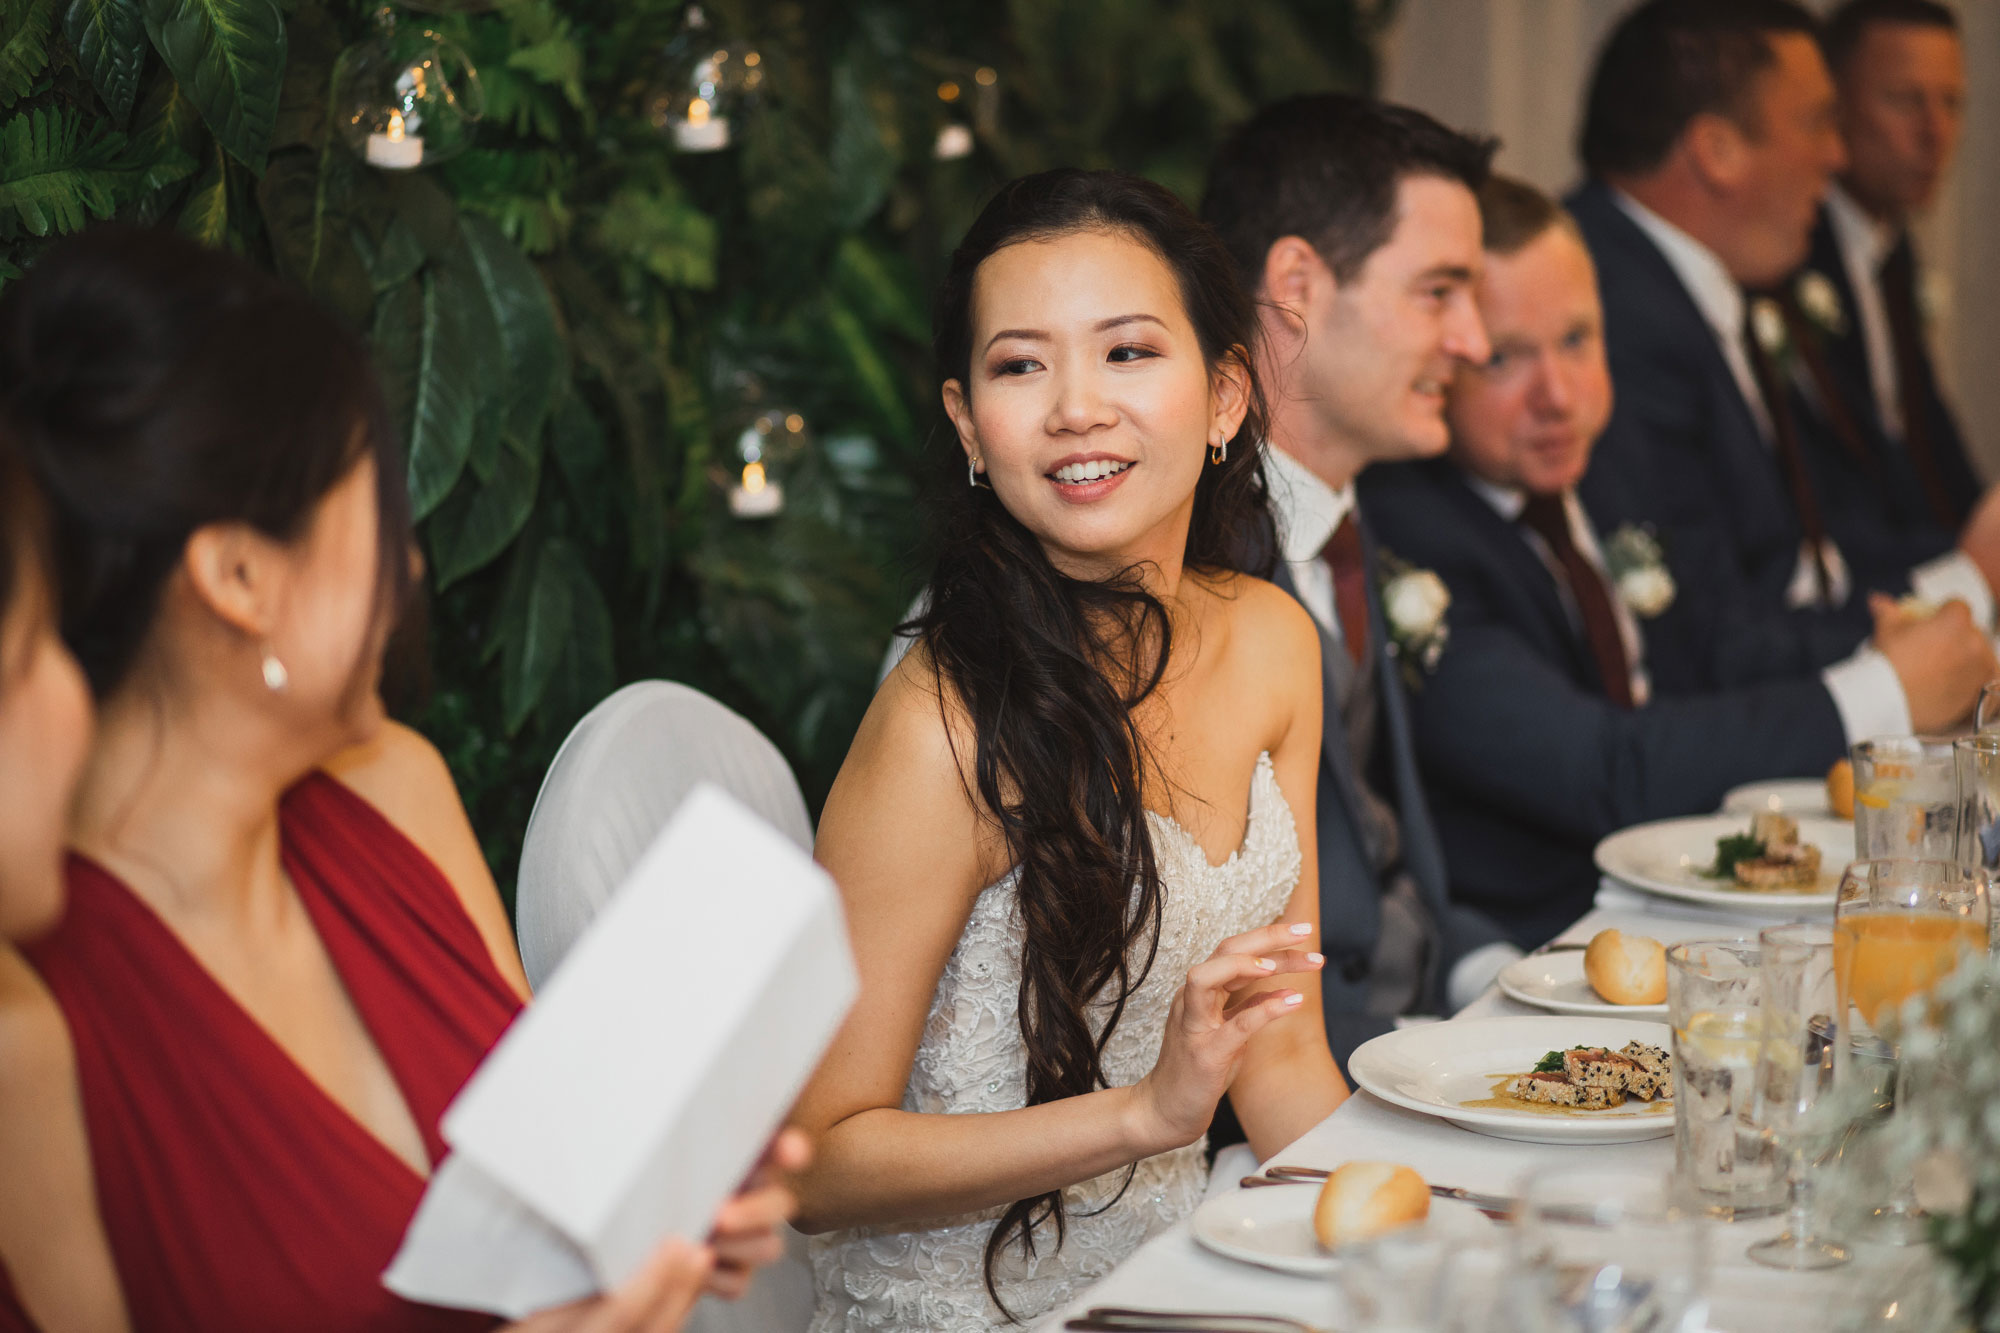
{"x":156,"y":386}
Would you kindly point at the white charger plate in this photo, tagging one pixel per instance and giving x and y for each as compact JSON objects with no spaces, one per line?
{"x":1668,"y":857}
{"x":1272,"y":1227}
{"x":1436,"y":1067}
{"x":1801,"y":798}
{"x":1555,"y":981}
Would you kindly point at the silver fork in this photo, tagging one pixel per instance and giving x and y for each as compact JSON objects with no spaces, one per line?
{"x":1117,"y":1319}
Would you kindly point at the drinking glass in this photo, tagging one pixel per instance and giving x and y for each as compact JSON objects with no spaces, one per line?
{"x":1721,"y":1154}
{"x":1795,"y":1066}
{"x":1905,"y":798}
{"x":1899,"y":927}
{"x":1598,"y":1250}
{"x":1987,"y":718}
{"x":1978,"y":761}
{"x":1434,"y":1278}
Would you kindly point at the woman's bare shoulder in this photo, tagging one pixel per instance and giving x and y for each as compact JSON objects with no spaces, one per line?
{"x":1265,"y":619}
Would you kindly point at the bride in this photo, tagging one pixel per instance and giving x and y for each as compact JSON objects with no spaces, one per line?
{"x":1075,"y":832}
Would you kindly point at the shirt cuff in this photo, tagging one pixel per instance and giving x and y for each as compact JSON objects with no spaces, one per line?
{"x":1868,"y":696}
{"x":1954,"y":575}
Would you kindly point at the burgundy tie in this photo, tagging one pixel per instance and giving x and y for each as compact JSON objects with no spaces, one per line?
{"x":1343,"y":556}
{"x":1899,"y":295}
{"x":1791,"y":458}
{"x":1544,"y":515}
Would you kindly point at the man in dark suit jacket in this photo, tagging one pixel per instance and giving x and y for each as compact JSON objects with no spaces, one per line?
{"x":1889,"y":440}
{"x":1355,"y":225}
{"x":1709,"y":137}
{"x":1537,"y":730}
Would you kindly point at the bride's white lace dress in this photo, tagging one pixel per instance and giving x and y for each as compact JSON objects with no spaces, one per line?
{"x":930,"y":1275}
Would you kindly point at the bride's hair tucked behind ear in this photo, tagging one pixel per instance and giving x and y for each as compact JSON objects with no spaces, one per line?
{"x":1048,"y":668}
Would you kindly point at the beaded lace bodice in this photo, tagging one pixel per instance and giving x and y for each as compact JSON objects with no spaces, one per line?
{"x":971,"y":1059}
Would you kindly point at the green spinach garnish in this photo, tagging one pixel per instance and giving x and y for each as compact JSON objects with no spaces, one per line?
{"x":1731,"y":849}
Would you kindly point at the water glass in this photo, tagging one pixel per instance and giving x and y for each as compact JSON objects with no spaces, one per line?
{"x":1721,"y":1154}
{"x":1434,"y":1278}
{"x":1905,"y":798}
{"x":1598,"y":1250}
{"x":1987,"y":717}
{"x":1795,"y":1068}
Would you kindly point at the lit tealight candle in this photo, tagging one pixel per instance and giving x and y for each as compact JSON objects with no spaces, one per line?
{"x":702,"y":131}
{"x":757,"y":496}
{"x":953,"y":141}
{"x":393,"y":148}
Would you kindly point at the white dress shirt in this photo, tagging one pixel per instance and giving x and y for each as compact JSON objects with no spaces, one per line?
{"x":1308,"y":511}
{"x":1720,"y":300}
{"x":1864,"y":244}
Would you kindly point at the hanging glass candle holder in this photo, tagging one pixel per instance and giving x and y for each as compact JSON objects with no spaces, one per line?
{"x":705,"y":82}
{"x":764,"y":448}
{"x":406,"y":97}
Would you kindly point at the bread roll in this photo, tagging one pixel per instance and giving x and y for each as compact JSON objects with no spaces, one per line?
{"x":1626,"y":969}
{"x":1363,"y":1199}
{"x":1840,"y":788}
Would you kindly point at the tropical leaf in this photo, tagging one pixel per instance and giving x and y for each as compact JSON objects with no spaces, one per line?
{"x":167,"y":140}
{"x":303,"y":197}
{"x":24,"y":45}
{"x":865,"y":146}
{"x":525,"y":318}
{"x":446,"y":401}
{"x":476,"y":522}
{"x":205,"y":215}
{"x":880,"y":289}
{"x":556,"y":61}
{"x":55,"y":176}
{"x":670,"y":238}
{"x":109,"y":38}
{"x":873,"y":375}
{"x":563,"y":639}
{"x":229,"y":57}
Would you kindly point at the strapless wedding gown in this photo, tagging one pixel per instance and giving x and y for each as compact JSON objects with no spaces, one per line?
{"x":931,"y":1275}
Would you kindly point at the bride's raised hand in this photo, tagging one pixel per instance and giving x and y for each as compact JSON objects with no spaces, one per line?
{"x":1212,"y":1020}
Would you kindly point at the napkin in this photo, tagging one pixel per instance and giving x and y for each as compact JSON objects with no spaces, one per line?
{"x":633,"y":1096}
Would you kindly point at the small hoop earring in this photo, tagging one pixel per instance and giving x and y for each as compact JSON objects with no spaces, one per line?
{"x":972,"y":475}
{"x":276,"y":678}
{"x":1218,"y":453}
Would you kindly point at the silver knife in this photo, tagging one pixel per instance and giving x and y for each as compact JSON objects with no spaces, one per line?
{"x":1497,"y":1204}
{"x":1114,"y":1319}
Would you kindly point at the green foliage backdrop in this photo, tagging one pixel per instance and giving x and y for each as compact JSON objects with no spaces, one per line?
{"x":572,"y":319}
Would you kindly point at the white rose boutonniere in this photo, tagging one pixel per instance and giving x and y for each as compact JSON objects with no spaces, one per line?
{"x":1638,"y":570}
{"x":1767,"y":323}
{"x":1820,"y":300}
{"x":1414,"y":602}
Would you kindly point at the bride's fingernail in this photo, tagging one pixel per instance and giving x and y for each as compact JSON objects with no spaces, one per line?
{"x":1266,"y":964}
{"x":1315,"y":958}
{"x":1302,"y":928}
{"x":1294,"y":998}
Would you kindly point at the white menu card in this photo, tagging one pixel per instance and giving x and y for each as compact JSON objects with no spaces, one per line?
{"x":633,"y":1096}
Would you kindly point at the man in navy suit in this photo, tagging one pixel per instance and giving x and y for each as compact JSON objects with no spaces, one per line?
{"x":1354,"y":223}
{"x":1888,"y":439}
{"x":1710,"y":138}
{"x":1538,"y":730}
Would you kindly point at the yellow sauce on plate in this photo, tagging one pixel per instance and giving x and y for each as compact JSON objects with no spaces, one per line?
{"x":1501,"y":1100}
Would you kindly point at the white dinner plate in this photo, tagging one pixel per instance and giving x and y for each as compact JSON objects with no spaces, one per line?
{"x":1555,"y":981}
{"x":1670,"y":857}
{"x":1437,"y":1067}
{"x":1272,"y":1226}
{"x":1801,"y":798}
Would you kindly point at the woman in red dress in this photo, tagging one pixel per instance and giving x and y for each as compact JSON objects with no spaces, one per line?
{"x":284,"y":954}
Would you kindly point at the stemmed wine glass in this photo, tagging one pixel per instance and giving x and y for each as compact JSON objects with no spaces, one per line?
{"x":1794,"y":1068}
{"x":1899,"y":927}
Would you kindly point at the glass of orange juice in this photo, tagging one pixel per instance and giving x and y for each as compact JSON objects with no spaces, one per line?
{"x":1899,"y":928}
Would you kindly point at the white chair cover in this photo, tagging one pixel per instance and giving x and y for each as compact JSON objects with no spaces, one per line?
{"x":616,"y":781}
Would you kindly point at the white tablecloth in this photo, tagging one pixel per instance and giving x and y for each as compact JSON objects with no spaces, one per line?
{"x":1173,"y":1272}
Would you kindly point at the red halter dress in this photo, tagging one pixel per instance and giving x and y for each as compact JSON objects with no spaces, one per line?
{"x":236,"y":1194}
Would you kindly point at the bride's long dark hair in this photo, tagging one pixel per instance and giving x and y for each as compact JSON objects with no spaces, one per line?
{"x":1049,"y":668}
